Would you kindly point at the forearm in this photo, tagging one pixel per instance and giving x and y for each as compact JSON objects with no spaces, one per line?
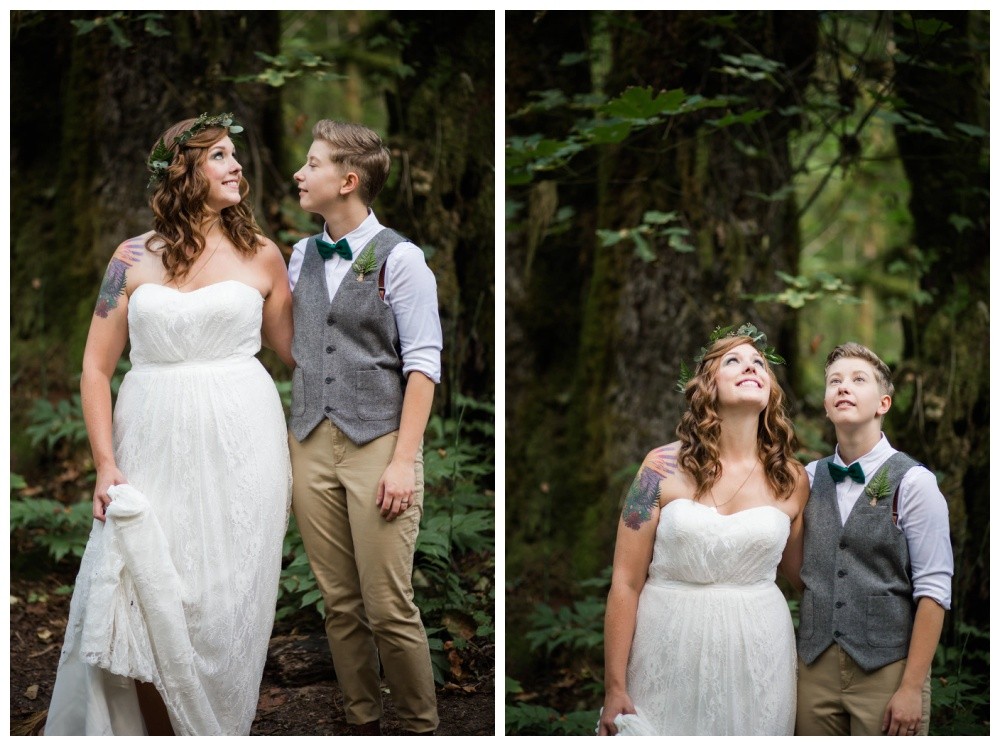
{"x":927,"y":625}
{"x":619,"y":629}
{"x":95,"y":396}
{"x":417,"y":400}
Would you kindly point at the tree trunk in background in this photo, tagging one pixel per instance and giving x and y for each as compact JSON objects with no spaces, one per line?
{"x":640,"y":320}
{"x":942,"y":411}
{"x":547,"y":263}
{"x":441,"y":192}
{"x":85,"y":113}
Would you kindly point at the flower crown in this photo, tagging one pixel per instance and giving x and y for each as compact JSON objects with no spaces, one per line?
{"x":162,"y":156}
{"x":757,"y":338}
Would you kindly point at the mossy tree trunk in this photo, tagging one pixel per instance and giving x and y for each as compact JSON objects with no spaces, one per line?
{"x":85,"y":111}
{"x":942,"y":412}
{"x":441,"y":194}
{"x":548,"y":260}
{"x":638,"y":320}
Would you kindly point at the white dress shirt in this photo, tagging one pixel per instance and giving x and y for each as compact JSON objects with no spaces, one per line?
{"x":922,"y":517}
{"x":410,"y":291}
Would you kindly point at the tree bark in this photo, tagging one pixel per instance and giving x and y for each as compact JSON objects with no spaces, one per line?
{"x":441,"y":132}
{"x":941,"y":413}
{"x":639,"y":320}
{"x":85,"y":114}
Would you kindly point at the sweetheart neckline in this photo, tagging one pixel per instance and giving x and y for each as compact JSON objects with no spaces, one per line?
{"x":724,"y":515}
{"x":203,"y":287}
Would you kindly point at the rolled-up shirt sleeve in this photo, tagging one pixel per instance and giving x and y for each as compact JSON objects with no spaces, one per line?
{"x":411,"y":292}
{"x":923,"y":519}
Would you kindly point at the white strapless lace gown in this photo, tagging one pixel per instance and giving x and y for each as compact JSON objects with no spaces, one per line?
{"x":714,"y":649}
{"x":178,"y":587}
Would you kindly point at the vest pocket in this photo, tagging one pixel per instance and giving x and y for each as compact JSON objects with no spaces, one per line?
{"x":298,"y":392}
{"x":806,"y":624}
{"x":887,"y":621}
{"x":379,"y":396}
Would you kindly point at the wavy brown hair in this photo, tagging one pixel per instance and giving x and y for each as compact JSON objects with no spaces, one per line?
{"x":701,"y":427}
{"x":179,"y":204}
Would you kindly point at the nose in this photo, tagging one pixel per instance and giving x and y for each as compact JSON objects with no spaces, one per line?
{"x":297,"y":176}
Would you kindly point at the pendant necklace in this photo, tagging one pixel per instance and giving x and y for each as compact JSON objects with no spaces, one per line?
{"x":712,"y":495}
{"x":210,"y":257}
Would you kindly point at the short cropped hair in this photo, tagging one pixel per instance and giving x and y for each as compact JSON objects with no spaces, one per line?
{"x":855,"y":349}
{"x":359,"y":149}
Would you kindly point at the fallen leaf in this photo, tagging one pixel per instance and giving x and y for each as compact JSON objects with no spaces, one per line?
{"x":44,"y":635}
{"x":31,"y":692}
{"x":271,"y":699}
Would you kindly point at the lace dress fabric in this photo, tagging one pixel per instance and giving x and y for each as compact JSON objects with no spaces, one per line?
{"x":714,"y":649}
{"x":178,"y":587}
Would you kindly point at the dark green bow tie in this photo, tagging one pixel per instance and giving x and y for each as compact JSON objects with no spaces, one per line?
{"x":327,"y":250}
{"x":839,"y":473}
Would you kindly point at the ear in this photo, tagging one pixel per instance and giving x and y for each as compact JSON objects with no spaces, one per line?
{"x":883,"y":405}
{"x":350,"y":183}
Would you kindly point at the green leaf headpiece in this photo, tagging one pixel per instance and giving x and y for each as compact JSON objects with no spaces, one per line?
{"x":757,"y":338}
{"x":162,"y":155}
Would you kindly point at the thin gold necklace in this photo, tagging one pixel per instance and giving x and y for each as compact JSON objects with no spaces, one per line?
{"x":712,"y":493}
{"x":210,"y":257}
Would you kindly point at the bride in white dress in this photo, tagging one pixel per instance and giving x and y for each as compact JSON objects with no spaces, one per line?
{"x":698,"y":638}
{"x":174,"y":602}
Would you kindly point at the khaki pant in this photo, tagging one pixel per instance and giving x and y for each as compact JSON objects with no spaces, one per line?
{"x":363,"y":566}
{"x":837,"y":698}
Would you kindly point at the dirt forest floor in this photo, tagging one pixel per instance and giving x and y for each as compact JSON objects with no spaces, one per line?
{"x":298,"y":695}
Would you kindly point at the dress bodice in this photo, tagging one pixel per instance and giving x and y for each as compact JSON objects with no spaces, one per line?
{"x":695,"y":544}
{"x":217,"y":322}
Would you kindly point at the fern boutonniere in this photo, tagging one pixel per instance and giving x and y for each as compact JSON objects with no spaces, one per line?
{"x":365,"y":263}
{"x":878,"y":487}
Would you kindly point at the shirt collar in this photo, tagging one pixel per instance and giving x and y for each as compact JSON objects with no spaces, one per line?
{"x":871,"y":460}
{"x":360,"y":235}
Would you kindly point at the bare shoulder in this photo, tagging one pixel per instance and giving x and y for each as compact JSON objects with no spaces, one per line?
{"x":800,"y":490}
{"x":268,"y":253}
{"x":663,"y":459}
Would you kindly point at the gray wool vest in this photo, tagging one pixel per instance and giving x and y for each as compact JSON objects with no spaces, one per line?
{"x":348,"y":364}
{"x":858,"y":592}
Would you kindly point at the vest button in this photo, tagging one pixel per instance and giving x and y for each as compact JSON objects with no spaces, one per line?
{"x":327,"y":409}
{"x":836,"y":634}
{"x":329,"y":348}
{"x":329,"y":380}
{"x":330,"y":321}
{"x":841,"y":573}
{"x":843,"y":545}
{"x":838,"y":604}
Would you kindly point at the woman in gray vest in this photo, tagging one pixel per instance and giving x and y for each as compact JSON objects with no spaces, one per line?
{"x":698,"y":638}
{"x":877,"y":568}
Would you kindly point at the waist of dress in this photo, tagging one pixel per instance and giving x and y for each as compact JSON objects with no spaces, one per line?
{"x":160,"y":366}
{"x":760,"y":585}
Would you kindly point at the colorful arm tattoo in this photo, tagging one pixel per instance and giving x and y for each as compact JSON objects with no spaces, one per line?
{"x":645,"y":490}
{"x":113,"y":286}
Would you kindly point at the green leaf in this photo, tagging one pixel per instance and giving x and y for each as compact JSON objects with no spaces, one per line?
{"x":959,"y":222}
{"x":654,"y":217}
{"x":609,"y":133}
{"x":639,"y":103}
{"x":970,"y":129}
{"x":747,"y":117}
{"x":642,"y":248}
{"x":118,"y":37}
{"x":17,"y":482}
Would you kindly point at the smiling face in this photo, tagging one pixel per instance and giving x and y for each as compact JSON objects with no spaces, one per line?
{"x":742,"y":378}
{"x":854,"y":398}
{"x":320,"y":180}
{"x":224,"y":174}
